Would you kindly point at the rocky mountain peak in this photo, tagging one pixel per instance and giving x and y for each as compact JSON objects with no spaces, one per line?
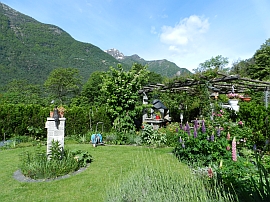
{"x":115,"y":53}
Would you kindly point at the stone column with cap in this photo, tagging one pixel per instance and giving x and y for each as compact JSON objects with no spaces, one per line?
{"x":55,"y":133}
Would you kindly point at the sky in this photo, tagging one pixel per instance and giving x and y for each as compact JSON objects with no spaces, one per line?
{"x":186,"y":32}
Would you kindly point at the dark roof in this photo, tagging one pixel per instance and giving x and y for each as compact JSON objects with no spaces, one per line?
{"x":158,"y":104}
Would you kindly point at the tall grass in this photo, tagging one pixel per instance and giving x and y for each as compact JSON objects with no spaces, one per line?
{"x":162,"y":179}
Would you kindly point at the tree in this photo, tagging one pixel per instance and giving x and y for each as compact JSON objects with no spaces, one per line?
{"x":21,"y":91}
{"x":121,"y":90}
{"x":91,"y":89}
{"x":261,"y":67}
{"x":63,"y":83}
{"x":217,"y":63}
{"x":155,"y":78}
{"x":241,"y":67}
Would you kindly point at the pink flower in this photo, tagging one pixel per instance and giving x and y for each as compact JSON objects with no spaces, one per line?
{"x":234,"y":156}
{"x":210,"y":172}
{"x":232,"y":95}
{"x":228,"y":136}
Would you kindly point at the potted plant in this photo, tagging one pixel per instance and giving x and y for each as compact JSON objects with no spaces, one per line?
{"x":245,"y":98}
{"x":158,"y":114}
{"x":61,"y":110}
{"x":233,"y":98}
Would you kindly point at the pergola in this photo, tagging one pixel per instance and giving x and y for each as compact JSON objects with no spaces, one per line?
{"x":222,"y":84}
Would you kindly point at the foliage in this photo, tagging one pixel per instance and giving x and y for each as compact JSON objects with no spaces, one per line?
{"x":91,"y":89}
{"x":38,"y":165}
{"x":213,"y":149}
{"x":20,"y":119}
{"x":261,"y":186}
{"x":202,"y":149}
{"x":210,"y":145}
{"x":171,"y":131}
{"x":256,"y":117}
{"x":241,"y":67}
{"x":260,"y":68}
{"x":29,"y":120}
{"x":63,"y":83}
{"x":121,"y":90}
{"x":31,"y":50}
{"x":153,"y":137}
{"x":21,"y":91}
{"x":156,"y":67}
{"x":218,"y":63}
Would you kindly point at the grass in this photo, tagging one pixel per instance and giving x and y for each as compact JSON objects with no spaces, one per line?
{"x":110,"y":163}
{"x":109,"y":174}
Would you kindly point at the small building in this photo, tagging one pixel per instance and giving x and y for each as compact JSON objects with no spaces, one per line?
{"x":158,"y":115}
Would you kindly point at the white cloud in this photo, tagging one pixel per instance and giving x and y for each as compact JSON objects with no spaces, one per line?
{"x":184,"y":33}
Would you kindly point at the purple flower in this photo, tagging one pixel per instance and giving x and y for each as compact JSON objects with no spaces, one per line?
{"x":218,"y":132}
{"x":195,"y":132}
{"x":188,"y":132}
{"x":176,"y":130}
{"x":254,"y":147}
{"x":212,"y":137}
{"x":183,"y":145}
{"x":196,"y":124}
{"x":203,"y":127}
{"x":188,"y":128}
{"x":181,"y":126}
{"x":180,"y":140}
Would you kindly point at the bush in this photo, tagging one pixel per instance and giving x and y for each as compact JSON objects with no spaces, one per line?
{"x":153,"y":137}
{"x":29,"y":120}
{"x":38,"y":165}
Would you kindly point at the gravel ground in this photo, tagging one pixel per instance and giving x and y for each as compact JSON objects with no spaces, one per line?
{"x":20,"y":177}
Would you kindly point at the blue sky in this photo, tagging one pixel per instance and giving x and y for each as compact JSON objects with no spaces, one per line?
{"x":184,"y":32}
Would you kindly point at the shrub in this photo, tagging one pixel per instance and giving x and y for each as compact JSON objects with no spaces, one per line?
{"x":171,"y":131}
{"x":153,"y":137}
{"x":37,"y":165}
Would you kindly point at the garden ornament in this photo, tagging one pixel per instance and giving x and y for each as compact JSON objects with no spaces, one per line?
{"x":56,"y":116}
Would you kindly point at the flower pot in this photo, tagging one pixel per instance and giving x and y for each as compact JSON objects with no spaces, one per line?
{"x":61,"y":114}
{"x":246,"y":99}
{"x":234,"y":105}
{"x":233,"y":102}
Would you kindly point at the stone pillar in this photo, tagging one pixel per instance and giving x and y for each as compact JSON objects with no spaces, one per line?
{"x":55,"y":133}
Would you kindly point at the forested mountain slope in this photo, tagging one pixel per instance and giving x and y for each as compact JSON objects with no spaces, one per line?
{"x":31,"y":50}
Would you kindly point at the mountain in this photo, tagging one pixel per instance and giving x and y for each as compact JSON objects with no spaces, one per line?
{"x":31,"y":50}
{"x":115,"y":53}
{"x":162,"y":67}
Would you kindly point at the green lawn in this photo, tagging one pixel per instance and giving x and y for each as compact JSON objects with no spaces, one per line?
{"x":110,"y":164}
